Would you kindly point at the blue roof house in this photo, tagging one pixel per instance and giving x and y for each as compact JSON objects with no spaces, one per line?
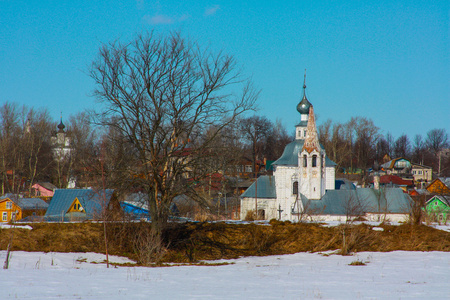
{"x":78,"y":204}
{"x":135,"y":206}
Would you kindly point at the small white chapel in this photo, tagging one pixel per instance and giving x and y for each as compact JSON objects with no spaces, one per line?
{"x":303,"y":169}
{"x":303,"y":181}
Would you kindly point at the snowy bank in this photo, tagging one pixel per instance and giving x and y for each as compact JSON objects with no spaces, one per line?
{"x":391,"y":275}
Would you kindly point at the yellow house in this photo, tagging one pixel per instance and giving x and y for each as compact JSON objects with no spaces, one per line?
{"x":9,"y":210}
{"x":14,"y":208}
{"x":438,"y":187}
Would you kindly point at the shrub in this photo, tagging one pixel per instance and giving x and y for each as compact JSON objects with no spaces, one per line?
{"x":357,"y":263}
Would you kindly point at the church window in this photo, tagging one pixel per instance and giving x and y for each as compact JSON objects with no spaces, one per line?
{"x":295,"y":188}
{"x":304,"y":133}
{"x":305,"y":162}
{"x":314,"y":161}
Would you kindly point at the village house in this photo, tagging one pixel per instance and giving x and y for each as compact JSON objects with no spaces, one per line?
{"x":14,"y":208}
{"x":438,"y":208}
{"x":304,"y":182}
{"x":44,"y":190}
{"x":80,"y":204}
{"x":439,"y":186}
{"x":422,"y":175}
{"x":403,"y":168}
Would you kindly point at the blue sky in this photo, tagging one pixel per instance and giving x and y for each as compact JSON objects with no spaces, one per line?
{"x":384,"y":60}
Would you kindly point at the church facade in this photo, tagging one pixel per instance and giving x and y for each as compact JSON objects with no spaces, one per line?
{"x":303,"y":185}
{"x":303,"y":171}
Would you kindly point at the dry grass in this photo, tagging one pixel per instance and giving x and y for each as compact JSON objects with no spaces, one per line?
{"x":192,"y":242}
{"x":357,"y":263}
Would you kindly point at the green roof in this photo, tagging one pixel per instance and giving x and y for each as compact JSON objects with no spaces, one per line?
{"x":290,"y":155}
{"x":266,"y":188}
{"x":363,"y":200}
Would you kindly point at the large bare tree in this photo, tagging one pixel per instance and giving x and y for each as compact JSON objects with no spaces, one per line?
{"x":162,"y":93}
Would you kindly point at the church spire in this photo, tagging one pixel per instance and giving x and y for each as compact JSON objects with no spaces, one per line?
{"x":311,"y":140}
{"x":304,"y":85}
{"x":303,"y":106}
{"x":61,"y":126}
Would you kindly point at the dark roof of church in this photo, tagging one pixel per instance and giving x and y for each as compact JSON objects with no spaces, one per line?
{"x":303,"y":106}
{"x":266,"y":188}
{"x":290,"y":155}
{"x":367,"y":200}
{"x":343,"y":201}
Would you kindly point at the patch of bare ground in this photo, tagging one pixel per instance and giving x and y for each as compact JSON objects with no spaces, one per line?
{"x":195,"y":242}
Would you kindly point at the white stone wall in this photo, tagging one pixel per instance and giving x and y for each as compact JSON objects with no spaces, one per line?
{"x":284,"y":179}
{"x":268,"y":205}
{"x":376,"y":217}
{"x":311,"y":183}
{"x":330,"y":178}
{"x":300,"y":132}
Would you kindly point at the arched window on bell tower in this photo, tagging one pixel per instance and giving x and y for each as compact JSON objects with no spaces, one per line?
{"x":305,"y":161}
{"x":314,"y":161}
{"x":295,"y":188}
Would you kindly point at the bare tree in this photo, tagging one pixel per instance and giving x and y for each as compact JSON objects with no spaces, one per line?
{"x":276,"y":141}
{"x":36,"y":146}
{"x":162,"y":93}
{"x":9,"y":130}
{"x":419,"y":149}
{"x":333,"y":137}
{"x":389,"y":144}
{"x":437,"y":140}
{"x":366,"y":138}
{"x":84,"y":154}
{"x":255,"y":131}
{"x":402,"y":146}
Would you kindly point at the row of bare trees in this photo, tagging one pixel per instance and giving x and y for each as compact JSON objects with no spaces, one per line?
{"x":26,"y":148}
{"x":359,"y":143}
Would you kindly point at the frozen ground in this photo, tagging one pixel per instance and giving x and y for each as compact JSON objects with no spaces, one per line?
{"x":391,"y":275}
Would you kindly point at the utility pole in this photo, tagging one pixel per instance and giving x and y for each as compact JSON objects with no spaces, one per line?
{"x":256,"y":179}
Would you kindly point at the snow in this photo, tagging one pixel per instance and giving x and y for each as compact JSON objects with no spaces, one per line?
{"x":390,"y":275}
{"x":441,"y":227}
{"x":7,"y":226}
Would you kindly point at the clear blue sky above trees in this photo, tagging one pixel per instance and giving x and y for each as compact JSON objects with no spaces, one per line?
{"x":384,"y":60}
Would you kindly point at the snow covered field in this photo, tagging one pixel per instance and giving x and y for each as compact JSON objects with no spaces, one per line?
{"x":392,"y":275}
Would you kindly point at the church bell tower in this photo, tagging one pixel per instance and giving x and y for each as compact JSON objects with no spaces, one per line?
{"x":311,"y":162}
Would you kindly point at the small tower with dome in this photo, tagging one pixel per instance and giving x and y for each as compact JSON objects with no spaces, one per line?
{"x":61,"y":142}
{"x":303,"y":109}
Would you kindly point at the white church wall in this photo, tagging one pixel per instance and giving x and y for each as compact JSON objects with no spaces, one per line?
{"x":311,"y":184}
{"x":300,"y":132}
{"x":268,"y":205}
{"x":284,"y":180}
{"x":330,"y":178}
{"x":388,"y":217}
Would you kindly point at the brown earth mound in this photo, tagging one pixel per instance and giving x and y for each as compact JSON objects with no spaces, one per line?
{"x":191,"y":242}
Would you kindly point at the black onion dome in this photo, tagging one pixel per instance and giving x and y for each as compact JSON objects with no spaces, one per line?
{"x":303,"y":106}
{"x":61,"y":126}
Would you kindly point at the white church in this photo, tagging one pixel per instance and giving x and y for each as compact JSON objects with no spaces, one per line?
{"x":304,"y":179}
